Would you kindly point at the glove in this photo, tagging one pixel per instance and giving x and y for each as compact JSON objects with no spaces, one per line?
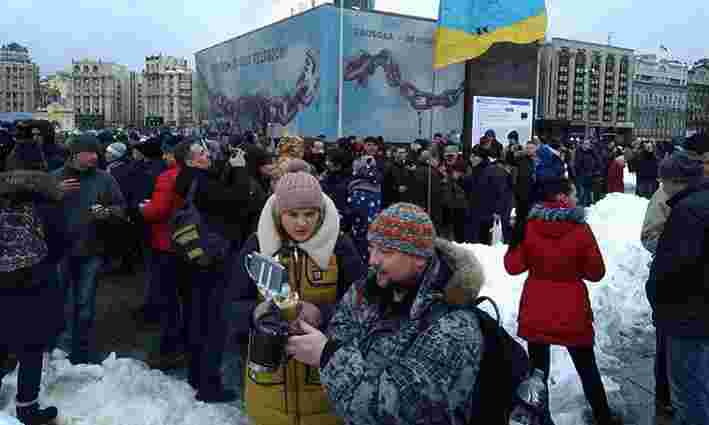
{"x":238,"y":158}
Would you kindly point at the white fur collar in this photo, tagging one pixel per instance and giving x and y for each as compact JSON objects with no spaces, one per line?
{"x":319,"y":248}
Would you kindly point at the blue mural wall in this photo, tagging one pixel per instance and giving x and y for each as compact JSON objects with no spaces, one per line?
{"x":287,"y":74}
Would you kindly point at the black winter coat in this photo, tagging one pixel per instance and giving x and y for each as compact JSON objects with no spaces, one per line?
{"x":647,"y":165}
{"x":678,"y":285}
{"x":525,"y":178}
{"x":427,"y":180}
{"x":587,"y":163}
{"x":32,"y":313}
{"x":335,"y":185}
{"x":489,"y":191}
{"x":395,"y":176}
{"x":230,"y":200}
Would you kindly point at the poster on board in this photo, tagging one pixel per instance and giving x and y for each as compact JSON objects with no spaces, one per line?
{"x":503,"y":115}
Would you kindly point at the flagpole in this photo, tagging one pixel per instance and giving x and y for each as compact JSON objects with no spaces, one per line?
{"x":468,"y":95}
{"x":341,"y":65}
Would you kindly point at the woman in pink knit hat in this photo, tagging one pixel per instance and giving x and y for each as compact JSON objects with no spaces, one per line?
{"x":300,"y":227}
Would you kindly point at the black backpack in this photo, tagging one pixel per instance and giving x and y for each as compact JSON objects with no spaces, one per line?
{"x":504,"y":364}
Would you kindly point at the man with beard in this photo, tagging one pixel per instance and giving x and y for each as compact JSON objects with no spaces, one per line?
{"x":92,"y":198}
{"x":387,"y":357}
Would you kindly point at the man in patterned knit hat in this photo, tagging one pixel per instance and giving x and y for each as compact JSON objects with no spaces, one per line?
{"x":387,"y":356}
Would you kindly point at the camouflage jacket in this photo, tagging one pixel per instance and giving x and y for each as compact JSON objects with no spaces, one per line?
{"x":403,"y":369}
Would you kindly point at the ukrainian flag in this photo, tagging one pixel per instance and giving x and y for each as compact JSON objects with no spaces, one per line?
{"x":467,"y":28}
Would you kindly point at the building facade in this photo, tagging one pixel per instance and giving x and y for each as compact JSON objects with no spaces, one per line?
{"x":136,"y":100}
{"x":660,"y":98}
{"x":168,"y":90}
{"x":584,"y":90}
{"x":59,"y":114}
{"x":698,"y":98}
{"x":19,"y":80}
{"x":61,"y":83}
{"x":99,"y":91}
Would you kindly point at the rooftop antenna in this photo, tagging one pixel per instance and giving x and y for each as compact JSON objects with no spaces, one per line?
{"x":610,"y":38}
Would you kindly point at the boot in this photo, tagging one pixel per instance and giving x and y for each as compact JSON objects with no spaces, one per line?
{"x":664,"y":407}
{"x":31,"y":414}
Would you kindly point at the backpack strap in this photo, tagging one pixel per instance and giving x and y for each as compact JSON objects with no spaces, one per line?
{"x":481,"y":300}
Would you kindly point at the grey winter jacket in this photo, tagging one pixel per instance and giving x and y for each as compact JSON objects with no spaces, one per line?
{"x":97,"y":187}
{"x":393,"y":369}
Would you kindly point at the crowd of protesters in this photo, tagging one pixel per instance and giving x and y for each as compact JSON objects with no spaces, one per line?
{"x":107,"y":200}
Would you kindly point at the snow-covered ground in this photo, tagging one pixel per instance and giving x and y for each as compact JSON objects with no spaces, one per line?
{"x":125,"y":392}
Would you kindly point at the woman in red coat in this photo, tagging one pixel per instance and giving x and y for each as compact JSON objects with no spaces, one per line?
{"x":157,"y":212}
{"x":559,"y":251}
{"x":615,"y":175}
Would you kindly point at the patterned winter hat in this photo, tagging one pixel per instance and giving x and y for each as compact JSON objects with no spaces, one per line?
{"x":404,"y":227}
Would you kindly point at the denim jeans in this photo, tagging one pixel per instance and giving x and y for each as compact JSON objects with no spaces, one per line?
{"x":688,"y":360}
{"x":80,"y":282}
{"x":662,"y":373}
{"x":584,"y":187}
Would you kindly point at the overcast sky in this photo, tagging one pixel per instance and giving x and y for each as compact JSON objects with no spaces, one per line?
{"x":125,"y":31}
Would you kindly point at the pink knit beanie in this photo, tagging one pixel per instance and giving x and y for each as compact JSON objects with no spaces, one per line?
{"x":298,"y":190}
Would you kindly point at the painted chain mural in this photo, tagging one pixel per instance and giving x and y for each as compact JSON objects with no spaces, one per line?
{"x":361,"y":67}
{"x":256,"y":111}
{"x":287,"y":74}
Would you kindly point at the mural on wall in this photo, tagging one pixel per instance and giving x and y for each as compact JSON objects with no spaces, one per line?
{"x":262,"y":108}
{"x":287,"y":74}
{"x":390,"y":88}
{"x":269,"y":76}
{"x":361,"y":67}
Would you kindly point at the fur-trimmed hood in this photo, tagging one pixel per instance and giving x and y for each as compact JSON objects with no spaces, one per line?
{"x":556,"y":220}
{"x":21,"y":182}
{"x":454,"y":275}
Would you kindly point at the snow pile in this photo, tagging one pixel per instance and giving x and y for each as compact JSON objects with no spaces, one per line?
{"x":120,"y":392}
{"x":125,"y":392}
{"x":8,"y":420}
{"x":621,"y":311}
{"x":629,"y":180}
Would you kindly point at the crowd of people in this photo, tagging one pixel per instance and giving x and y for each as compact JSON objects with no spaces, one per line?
{"x":364,"y":232}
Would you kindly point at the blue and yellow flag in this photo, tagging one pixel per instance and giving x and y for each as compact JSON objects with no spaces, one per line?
{"x":467,"y":28}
